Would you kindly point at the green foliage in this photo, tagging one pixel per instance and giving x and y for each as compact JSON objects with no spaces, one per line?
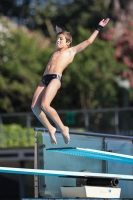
{"x":22,"y":61}
{"x":89,"y":82}
{"x":84,"y":13}
{"x":15,"y":135}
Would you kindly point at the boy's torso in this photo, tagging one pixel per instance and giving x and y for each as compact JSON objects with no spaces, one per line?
{"x":59,"y":61}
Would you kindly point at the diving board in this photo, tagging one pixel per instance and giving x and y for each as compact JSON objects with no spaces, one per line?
{"x":66,"y":174}
{"x":91,"y":153}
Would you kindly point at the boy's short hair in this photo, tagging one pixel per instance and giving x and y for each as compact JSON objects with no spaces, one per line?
{"x":67,"y":35}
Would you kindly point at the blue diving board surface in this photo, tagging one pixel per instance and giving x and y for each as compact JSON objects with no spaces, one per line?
{"x":65,"y":174}
{"x":97,"y":154}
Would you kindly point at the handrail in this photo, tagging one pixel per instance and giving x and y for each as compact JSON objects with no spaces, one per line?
{"x":74,"y":132}
{"x":74,"y":110}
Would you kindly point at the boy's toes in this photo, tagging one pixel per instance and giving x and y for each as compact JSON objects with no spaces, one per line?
{"x":52,"y":136}
{"x":53,"y":141}
{"x":66,"y":136}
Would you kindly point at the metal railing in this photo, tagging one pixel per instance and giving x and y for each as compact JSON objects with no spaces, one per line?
{"x":74,"y":132}
{"x":115,"y":121}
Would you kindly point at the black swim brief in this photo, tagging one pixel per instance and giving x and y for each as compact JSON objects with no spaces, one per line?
{"x":48,"y":77}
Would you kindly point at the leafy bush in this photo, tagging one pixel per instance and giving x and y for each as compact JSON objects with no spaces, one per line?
{"x":15,"y":135}
{"x":23,"y":58}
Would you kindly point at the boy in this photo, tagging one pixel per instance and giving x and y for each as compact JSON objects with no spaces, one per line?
{"x":52,"y":77}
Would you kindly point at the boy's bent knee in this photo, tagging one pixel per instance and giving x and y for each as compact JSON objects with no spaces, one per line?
{"x":44,"y":107}
{"x":32,"y":107}
{"x":35,"y":109}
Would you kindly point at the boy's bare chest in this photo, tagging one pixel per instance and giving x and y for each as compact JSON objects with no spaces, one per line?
{"x":57,"y":57}
{"x":60,"y":59}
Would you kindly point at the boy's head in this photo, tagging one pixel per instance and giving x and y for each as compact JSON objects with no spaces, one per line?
{"x":68,"y":37}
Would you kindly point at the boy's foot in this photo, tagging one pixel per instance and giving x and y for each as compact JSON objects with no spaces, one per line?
{"x":65,"y":134}
{"x":52,"y":136}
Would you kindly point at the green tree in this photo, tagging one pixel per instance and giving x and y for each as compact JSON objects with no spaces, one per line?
{"x":44,"y":15}
{"x":22,"y":58}
{"x":89,"y":82}
{"x":67,"y":14}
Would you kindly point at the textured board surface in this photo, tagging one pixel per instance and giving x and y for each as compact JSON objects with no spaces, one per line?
{"x":91,"y":153}
{"x":62,"y":173}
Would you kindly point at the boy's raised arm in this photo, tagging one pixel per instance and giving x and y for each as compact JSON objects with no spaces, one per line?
{"x":83,"y":45}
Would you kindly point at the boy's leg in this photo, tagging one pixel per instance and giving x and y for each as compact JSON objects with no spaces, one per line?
{"x":36,"y":108}
{"x":47,"y":98}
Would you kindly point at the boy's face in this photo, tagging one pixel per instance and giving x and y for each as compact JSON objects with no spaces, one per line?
{"x":61,"y":42}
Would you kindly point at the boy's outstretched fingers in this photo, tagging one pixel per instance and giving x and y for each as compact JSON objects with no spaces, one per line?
{"x":104,"y":22}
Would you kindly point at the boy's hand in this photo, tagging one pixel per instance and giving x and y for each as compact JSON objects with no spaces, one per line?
{"x":104,"y":22}
{"x":58,"y":29}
